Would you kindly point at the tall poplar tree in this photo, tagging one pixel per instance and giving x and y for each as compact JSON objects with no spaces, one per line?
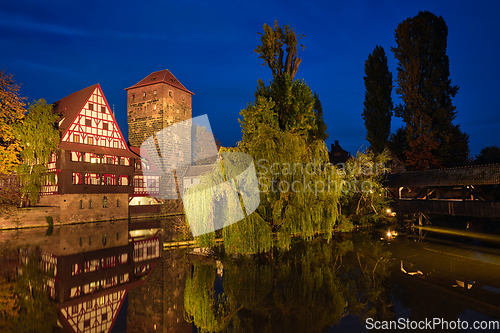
{"x":426,"y":90}
{"x":377,"y":111}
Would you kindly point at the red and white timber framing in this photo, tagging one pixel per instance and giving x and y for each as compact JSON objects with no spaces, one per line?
{"x":95,"y":124}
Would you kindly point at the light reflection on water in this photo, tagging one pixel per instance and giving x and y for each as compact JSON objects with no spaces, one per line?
{"x":314,"y":287}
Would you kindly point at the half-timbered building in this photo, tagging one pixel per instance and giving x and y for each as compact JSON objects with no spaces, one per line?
{"x":94,"y":167}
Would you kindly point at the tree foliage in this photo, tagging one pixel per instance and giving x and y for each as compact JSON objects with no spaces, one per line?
{"x":11,"y":110}
{"x":364,"y":198}
{"x":38,"y":138}
{"x":426,"y":90}
{"x":488,"y":155}
{"x":275,"y":42}
{"x":296,"y":108}
{"x":378,"y":105}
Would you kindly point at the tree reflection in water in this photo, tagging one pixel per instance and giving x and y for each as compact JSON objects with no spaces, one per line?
{"x":306,"y":289}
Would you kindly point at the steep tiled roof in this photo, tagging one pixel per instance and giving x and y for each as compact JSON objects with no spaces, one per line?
{"x":471,"y":175}
{"x":161,"y":76}
{"x":71,"y":105}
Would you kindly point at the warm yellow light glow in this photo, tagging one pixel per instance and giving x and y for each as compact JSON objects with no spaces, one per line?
{"x":388,"y":234}
{"x":388,"y":210}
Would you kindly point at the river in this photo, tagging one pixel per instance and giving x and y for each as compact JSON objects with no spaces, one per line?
{"x":116,"y":277}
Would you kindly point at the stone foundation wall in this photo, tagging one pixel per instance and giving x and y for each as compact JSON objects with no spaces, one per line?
{"x":13,"y":217}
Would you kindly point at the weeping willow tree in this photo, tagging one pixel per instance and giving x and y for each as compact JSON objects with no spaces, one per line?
{"x":300,"y":191}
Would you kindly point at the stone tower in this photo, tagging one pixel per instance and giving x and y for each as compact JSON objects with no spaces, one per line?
{"x":154,"y":103}
{"x":157,"y":101}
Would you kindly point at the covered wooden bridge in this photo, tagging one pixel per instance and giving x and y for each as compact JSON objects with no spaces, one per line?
{"x":467,"y":191}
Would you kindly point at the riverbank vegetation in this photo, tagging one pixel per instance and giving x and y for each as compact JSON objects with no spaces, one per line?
{"x":301,"y":193}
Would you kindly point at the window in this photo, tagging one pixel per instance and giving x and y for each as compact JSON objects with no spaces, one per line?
{"x":104,"y":205}
{"x":124,"y":161}
{"x":77,"y":178}
{"x":81,"y":238}
{"x":115,"y":144}
{"x":91,"y":106}
{"x":104,"y":316}
{"x":154,"y":92}
{"x":109,"y":179}
{"x":88,"y":306}
{"x":104,"y":239}
{"x":90,"y":206}
{"x":88,"y":122}
{"x":86,"y":323}
{"x":95,"y":159}
{"x":133,"y":96}
{"x":76,"y":138}
{"x":109,"y":160}
{"x":103,"y":109}
{"x":92,"y":179}
{"x":117,"y":234}
{"x":103,"y":142}
{"x":76,"y":156}
{"x":170,"y":93}
{"x":124,"y":180}
{"x":74,"y":309}
{"x":104,"y":126}
{"x":138,"y":182}
{"x":90,"y":140}
{"x":183,"y":98}
{"x":154,"y":107}
{"x":81,"y":206}
{"x":143,"y":94}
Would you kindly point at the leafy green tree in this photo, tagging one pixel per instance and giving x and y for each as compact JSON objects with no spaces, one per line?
{"x":297,"y":109}
{"x":11,"y":110}
{"x":364,"y":198}
{"x":38,"y":138}
{"x":426,"y":90}
{"x":378,"y":105}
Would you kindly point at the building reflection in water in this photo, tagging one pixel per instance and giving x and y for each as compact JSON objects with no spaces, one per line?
{"x":94,"y":267}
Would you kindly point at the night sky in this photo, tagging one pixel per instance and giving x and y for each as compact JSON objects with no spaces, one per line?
{"x":54,"y":48}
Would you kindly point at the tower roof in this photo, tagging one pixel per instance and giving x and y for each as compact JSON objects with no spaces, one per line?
{"x":163,"y":76}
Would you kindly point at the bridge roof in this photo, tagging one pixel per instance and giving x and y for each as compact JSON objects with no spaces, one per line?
{"x":471,"y":175}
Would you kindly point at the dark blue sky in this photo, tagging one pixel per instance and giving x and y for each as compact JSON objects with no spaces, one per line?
{"x":55,"y":48}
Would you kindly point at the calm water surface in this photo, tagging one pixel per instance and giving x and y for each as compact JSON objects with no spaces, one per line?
{"x":116,"y":278}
